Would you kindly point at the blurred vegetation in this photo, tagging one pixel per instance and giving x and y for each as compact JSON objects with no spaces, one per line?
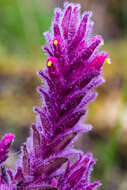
{"x":119,"y":12}
{"x":21,"y":26}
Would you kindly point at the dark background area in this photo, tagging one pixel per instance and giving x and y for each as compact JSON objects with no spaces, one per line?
{"x":22,"y":23}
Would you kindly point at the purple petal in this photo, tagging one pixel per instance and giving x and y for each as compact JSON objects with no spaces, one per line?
{"x":81,"y":31}
{"x":74,"y":20}
{"x":49,"y":167}
{"x":59,"y":144}
{"x":66,"y":21}
{"x":26,"y":161}
{"x":69,"y":121}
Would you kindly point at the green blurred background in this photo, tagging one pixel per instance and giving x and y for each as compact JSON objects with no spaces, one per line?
{"x":22,"y":23}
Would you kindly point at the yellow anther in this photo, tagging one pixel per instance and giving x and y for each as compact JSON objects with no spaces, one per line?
{"x":102,"y":43}
{"x":55,"y":42}
{"x":108,"y":60}
{"x":49,"y":63}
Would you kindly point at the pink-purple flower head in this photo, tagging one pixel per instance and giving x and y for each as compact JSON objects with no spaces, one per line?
{"x":72,"y":52}
{"x":72,"y":74}
{"x":5,"y":144}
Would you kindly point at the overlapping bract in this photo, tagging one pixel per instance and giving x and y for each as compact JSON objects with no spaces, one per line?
{"x":73,"y":72}
{"x":77,"y":176}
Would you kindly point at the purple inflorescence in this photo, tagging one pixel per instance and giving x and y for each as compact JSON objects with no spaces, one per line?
{"x":73,"y":72}
{"x":5,"y":145}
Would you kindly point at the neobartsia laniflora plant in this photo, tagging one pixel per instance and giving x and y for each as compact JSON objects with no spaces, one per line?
{"x":73,"y":72}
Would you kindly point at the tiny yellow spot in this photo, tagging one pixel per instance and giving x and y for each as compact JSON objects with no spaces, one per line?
{"x":108,"y":60}
{"x":55,"y":42}
{"x":102,"y":43}
{"x":49,"y":63}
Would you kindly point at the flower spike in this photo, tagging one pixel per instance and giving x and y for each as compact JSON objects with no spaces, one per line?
{"x":73,"y":72}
